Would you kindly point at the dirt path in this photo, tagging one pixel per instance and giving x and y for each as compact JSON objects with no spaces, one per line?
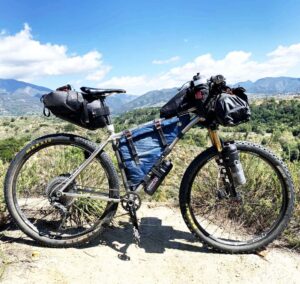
{"x":169,"y":254}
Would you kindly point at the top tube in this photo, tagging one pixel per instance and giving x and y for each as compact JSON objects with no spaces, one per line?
{"x":189,"y":111}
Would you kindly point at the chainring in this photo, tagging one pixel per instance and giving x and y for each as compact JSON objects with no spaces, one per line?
{"x":131,"y":199}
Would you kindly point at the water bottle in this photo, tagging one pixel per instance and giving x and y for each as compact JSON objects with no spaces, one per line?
{"x":158,"y":174}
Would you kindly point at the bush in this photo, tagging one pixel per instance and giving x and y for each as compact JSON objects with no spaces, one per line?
{"x":69,"y":127}
{"x":9,"y":147}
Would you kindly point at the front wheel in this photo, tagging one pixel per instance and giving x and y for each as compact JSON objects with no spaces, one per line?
{"x":246,"y":224}
{"x":39,"y":170}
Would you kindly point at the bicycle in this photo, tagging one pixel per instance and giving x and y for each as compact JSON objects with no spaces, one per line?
{"x":62,"y":189}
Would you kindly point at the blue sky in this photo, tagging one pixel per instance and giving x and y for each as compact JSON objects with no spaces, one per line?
{"x":143,"y":45}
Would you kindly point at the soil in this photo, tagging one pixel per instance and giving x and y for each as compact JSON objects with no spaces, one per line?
{"x":168,"y":254}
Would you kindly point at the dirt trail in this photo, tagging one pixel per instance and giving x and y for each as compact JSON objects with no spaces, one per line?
{"x":169,"y":254}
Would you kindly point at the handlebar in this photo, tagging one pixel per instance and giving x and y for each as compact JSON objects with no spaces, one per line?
{"x":216,"y":84}
{"x":218,"y":79}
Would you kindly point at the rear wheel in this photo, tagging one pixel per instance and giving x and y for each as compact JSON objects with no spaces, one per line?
{"x":248,"y":223}
{"x":32,"y":180}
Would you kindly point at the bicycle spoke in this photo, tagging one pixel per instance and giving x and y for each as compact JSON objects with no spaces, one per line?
{"x":51,"y":164}
{"x":238,"y":221}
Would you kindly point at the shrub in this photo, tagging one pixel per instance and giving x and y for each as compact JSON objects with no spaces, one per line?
{"x":69,"y":127}
{"x":9,"y":147}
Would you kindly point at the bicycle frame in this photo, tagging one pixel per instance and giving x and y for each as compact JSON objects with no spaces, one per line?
{"x":113,"y":138}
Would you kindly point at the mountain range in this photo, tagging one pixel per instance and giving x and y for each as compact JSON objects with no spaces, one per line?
{"x":271,"y":85}
{"x":21,"y":98}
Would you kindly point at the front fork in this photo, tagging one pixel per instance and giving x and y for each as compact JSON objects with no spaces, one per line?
{"x":225,"y":171}
{"x":215,"y":139}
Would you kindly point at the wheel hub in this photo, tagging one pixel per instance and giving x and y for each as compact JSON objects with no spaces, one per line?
{"x":53,"y":190}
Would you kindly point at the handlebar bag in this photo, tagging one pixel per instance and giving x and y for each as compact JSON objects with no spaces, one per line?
{"x":175,"y":105}
{"x":186,"y":99}
{"x":146,"y":143}
{"x":73,"y":107}
{"x":231,"y":110}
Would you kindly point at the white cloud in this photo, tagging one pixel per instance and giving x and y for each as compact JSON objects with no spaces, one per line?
{"x":236,"y":66}
{"x":23,"y":57}
{"x":137,"y":85}
{"x":128,"y":83}
{"x":99,"y":74}
{"x":166,"y":61}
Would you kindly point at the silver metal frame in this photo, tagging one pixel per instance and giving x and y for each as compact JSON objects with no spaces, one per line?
{"x":113,"y":138}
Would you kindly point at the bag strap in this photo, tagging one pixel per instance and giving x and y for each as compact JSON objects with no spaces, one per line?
{"x":134,"y":154}
{"x":157,"y":124}
{"x":85,"y":112}
{"x":47,"y":114}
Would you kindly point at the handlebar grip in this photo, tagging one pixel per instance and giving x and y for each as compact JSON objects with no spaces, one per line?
{"x":218,"y":79}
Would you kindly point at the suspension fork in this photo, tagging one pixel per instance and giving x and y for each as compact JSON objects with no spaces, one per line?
{"x":215,"y":139}
{"x":225,"y":171}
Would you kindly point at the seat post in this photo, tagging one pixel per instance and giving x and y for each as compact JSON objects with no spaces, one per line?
{"x":110,"y":126}
{"x":111,"y":129}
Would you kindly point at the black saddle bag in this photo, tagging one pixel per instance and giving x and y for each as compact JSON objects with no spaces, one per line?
{"x":73,"y":107}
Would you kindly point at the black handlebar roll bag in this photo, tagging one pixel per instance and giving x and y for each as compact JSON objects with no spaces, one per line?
{"x":231,"y":110}
{"x":73,"y":107}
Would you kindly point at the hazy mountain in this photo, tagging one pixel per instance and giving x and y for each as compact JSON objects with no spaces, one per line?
{"x":21,"y":98}
{"x":11,"y":85}
{"x":150,"y":99}
{"x":264,"y":86}
{"x":116,"y":102}
{"x":272,"y":85}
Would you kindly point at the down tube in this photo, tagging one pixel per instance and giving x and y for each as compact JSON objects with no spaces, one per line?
{"x":193,"y":122}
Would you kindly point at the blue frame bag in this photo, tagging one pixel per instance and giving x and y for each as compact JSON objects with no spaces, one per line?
{"x":142,"y":147}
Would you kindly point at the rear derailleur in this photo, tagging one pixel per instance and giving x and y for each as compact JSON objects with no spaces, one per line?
{"x":131,"y":202}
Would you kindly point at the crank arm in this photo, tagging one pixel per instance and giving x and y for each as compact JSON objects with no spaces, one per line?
{"x":136,"y":231}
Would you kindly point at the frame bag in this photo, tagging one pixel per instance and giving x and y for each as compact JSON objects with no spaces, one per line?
{"x":73,"y":107}
{"x":142,"y":147}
